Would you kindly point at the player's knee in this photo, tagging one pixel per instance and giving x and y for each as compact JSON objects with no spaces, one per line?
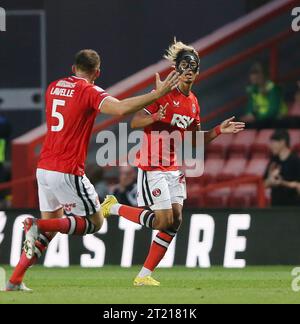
{"x":164,"y":221}
{"x":177,"y":221}
{"x":97,"y":220}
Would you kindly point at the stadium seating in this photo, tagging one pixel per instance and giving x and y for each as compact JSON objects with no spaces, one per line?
{"x":260,"y":149}
{"x":231,"y":157}
{"x":219,"y":148}
{"x":233,"y":168}
{"x":242,"y":143}
{"x":256,"y":166}
{"x":194,"y":199}
{"x":213,"y":168}
{"x":218,"y":198}
{"x":295,"y":137}
{"x":294,"y":111}
{"x":243,"y":197}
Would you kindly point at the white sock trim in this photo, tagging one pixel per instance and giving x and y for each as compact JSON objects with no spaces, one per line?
{"x":115,"y":209}
{"x":144,"y":273}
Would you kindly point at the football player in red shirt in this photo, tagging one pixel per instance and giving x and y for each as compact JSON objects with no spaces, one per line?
{"x":72,"y":104}
{"x":162,"y":186}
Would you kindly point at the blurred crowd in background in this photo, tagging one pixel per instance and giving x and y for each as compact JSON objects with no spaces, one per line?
{"x":267,"y":107}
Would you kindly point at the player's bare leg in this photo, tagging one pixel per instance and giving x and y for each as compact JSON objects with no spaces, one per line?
{"x":15,"y":283}
{"x":47,"y":227}
{"x":167,"y":221}
{"x":159,"y":247}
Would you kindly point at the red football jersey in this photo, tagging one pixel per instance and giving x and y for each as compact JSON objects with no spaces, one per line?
{"x":182,"y":114}
{"x":72,"y":105}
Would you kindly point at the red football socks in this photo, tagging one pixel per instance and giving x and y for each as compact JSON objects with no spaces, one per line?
{"x":24,"y":263}
{"x":73,"y":225}
{"x":158,"y":249}
{"x":137,"y":215}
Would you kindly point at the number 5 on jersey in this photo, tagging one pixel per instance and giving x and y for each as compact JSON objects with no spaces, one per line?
{"x":55,"y":114}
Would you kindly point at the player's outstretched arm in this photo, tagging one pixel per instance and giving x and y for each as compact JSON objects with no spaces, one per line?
{"x":113,"y":106}
{"x":229,"y":126}
{"x":143,"y":119}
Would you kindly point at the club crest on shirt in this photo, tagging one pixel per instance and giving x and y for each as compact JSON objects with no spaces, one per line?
{"x":156,"y":193}
{"x":194,"y":109}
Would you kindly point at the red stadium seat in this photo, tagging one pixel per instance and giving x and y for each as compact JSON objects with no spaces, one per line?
{"x":256,"y":167}
{"x":233,"y":168}
{"x":294,"y":110}
{"x":219,"y":147}
{"x":193,"y":173}
{"x":244,"y":196}
{"x":194,"y":198}
{"x":295,"y":137}
{"x":242,"y":143}
{"x":260,"y":149}
{"x":297,"y":149}
{"x":213,"y":167}
{"x":218,"y":198}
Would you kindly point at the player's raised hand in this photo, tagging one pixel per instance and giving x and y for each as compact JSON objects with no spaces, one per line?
{"x":161,"y":114}
{"x":169,"y":84}
{"x":229,"y":126}
{"x":162,"y":111}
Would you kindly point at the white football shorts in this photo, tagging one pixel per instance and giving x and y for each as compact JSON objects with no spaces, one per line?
{"x":159,"y":190}
{"x":75,"y":194}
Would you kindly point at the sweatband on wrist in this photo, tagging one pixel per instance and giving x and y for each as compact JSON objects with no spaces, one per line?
{"x":218,"y":130}
{"x":155,"y":117}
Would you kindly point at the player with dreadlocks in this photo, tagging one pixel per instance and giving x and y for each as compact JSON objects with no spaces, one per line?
{"x":162,"y":187}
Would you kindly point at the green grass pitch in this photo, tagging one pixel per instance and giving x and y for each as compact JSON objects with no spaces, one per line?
{"x":112,"y":285}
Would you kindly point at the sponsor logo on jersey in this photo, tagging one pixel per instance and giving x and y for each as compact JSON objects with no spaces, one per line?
{"x":182,"y":121}
{"x":68,"y":207}
{"x":194,"y":109}
{"x":176,"y":104}
{"x":156,"y":193}
{"x":65,"y":84}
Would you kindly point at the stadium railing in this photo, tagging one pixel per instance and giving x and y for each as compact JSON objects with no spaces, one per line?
{"x":25,"y":149}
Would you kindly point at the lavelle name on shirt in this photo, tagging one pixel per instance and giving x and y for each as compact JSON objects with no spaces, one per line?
{"x":62,"y":92}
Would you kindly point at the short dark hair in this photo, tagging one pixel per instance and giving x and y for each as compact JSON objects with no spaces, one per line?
{"x":87,"y":60}
{"x":281,"y":135}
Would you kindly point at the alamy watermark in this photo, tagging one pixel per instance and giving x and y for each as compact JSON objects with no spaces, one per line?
{"x":2,"y":20}
{"x":183,"y":149}
{"x":296,"y":20}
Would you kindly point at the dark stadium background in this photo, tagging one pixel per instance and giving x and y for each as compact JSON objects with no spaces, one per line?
{"x":130,"y":36}
{"x":127,"y":42}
